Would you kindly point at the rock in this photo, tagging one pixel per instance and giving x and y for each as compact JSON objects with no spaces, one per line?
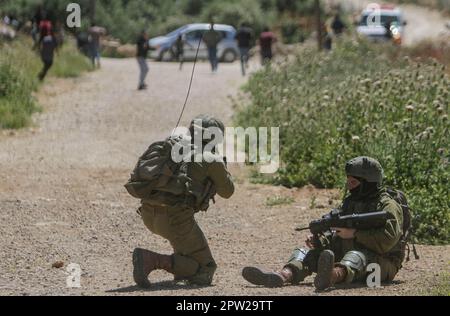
{"x":58,"y":265}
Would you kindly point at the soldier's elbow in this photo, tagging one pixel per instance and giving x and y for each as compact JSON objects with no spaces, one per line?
{"x":227,"y":193}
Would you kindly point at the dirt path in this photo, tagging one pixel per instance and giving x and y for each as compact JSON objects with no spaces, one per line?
{"x":62,"y":199}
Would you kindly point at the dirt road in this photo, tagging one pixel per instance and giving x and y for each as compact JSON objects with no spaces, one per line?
{"x":62,"y":195}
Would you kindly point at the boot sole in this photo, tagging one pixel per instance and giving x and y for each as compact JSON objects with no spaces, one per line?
{"x":325,"y":267}
{"x":138,"y":274}
{"x":258,"y":277}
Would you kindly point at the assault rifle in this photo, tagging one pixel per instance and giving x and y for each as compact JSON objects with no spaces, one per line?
{"x":334,"y":219}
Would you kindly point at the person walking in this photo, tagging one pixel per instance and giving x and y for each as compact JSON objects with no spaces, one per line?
{"x":266,"y":40}
{"x":212,"y":38}
{"x":47,"y":45}
{"x":142,"y":52}
{"x":178,"y":50}
{"x":95,"y":34}
{"x":244,"y":37}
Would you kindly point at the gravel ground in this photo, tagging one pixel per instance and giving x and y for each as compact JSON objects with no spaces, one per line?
{"x":62,"y":196}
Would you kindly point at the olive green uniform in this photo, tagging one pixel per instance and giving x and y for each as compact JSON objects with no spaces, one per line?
{"x":172,"y":219}
{"x":382,"y":246}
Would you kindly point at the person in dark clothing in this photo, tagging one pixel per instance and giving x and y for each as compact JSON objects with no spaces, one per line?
{"x":142,"y":52}
{"x":95,"y":33}
{"x":388,"y":27}
{"x":212,"y":38}
{"x":36,"y":21}
{"x":178,"y":50}
{"x":244,"y":37}
{"x":266,"y":40}
{"x":47,"y":45}
{"x":337,"y":25}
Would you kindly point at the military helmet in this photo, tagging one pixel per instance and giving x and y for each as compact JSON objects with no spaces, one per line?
{"x":366,"y":168}
{"x":207,"y":121}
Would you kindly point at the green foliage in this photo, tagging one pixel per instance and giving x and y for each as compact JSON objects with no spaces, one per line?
{"x":355,"y":101}
{"x":236,"y":12}
{"x":16,"y":86}
{"x":278,"y":200}
{"x":193,"y":7}
{"x":70,"y":63}
{"x":292,"y":32}
{"x":125,"y":19}
{"x":302,"y":7}
{"x":19,"y":66}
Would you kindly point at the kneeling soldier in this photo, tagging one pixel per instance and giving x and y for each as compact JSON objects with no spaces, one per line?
{"x":171,"y":216}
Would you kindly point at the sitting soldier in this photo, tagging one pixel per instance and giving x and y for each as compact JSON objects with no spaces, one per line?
{"x":345,"y":253}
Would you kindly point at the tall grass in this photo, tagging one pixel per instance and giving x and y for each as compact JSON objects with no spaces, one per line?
{"x":355,"y":101}
{"x":19,"y":67}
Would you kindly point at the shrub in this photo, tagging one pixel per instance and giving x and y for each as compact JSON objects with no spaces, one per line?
{"x":69,"y":62}
{"x":19,"y":66}
{"x":355,"y":101}
{"x":16,"y":86}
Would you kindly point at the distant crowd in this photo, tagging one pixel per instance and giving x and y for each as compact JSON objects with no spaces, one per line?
{"x":48,"y":35}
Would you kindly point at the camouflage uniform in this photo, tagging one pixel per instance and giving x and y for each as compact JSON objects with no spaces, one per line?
{"x":384,"y":246}
{"x":173,"y":219}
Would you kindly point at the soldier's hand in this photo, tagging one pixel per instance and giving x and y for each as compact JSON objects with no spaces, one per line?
{"x":310,"y":242}
{"x":345,"y":233}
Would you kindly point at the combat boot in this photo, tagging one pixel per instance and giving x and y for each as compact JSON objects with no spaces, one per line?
{"x":327,"y":273}
{"x":145,"y":261}
{"x":271,"y":279}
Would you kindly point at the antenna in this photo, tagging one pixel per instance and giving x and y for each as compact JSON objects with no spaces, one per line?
{"x":190,"y":85}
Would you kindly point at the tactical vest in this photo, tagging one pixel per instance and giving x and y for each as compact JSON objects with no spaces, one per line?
{"x":159,"y":181}
{"x":375,"y":204}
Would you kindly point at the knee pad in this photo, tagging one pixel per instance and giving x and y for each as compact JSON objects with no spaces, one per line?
{"x":299,"y":263}
{"x":355,"y":260}
{"x":298,"y":255}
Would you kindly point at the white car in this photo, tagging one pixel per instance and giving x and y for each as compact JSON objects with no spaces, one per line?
{"x":227,"y":50}
{"x":375,"y":21}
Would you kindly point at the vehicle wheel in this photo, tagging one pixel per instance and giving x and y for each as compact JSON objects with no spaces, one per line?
{"x":229,"y":56}
{"x":166,"y":56}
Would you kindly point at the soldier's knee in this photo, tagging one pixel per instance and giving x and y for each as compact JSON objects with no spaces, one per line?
{"x":355,"y":262}
{"x":204,"y":275}
{"x":184,"y":266}
{"x":298,"y":265}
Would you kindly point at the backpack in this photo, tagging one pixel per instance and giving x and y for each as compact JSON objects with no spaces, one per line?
{"x":157,"y":173}
{"x":400,"y":198}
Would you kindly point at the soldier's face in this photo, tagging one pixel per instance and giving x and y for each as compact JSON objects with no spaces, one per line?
{"x":352,"y":183}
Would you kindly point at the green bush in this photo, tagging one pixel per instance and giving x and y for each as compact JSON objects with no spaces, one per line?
{"x":355,"y":101}
{"x":69,"y":62}
{"x":19,"y":67}
{"x":17,"y":82}
{"x":236,"y":12}
{"x":292,"y":32}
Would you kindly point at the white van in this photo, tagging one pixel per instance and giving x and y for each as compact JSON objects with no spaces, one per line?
{"x":375,"y":20}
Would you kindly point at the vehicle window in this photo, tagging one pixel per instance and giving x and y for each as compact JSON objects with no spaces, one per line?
{"x":384,"y":19}
{"x":194,"y":35}
{"x":175,"y":33}
{"x":223,"y":34}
